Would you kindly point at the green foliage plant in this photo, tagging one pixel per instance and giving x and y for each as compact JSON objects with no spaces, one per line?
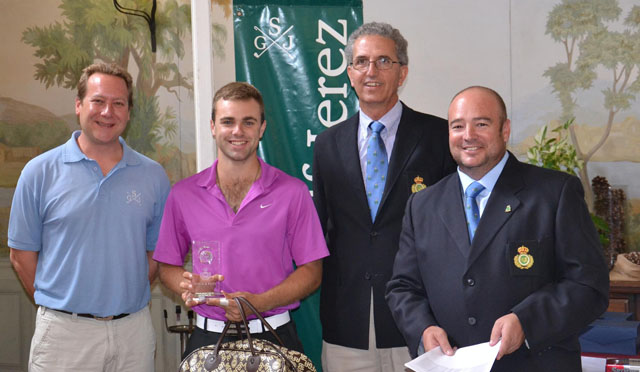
{"x":555,"y":151}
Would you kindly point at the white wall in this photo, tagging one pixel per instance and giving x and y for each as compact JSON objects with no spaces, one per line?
{"x":452,"y":44}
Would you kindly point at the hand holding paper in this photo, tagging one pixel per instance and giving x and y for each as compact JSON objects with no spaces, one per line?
{"x":434,"y":337}
{"x":476,"y":358}
{"x":508,"y":329}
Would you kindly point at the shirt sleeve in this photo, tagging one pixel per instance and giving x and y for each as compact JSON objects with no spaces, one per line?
{"x":25,"y":219}
{"x":163,"y":188}
{"x":305,"y":236}
{"x":173,"y":243}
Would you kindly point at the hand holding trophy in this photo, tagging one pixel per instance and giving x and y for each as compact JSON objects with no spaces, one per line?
{"x":206,"y":267}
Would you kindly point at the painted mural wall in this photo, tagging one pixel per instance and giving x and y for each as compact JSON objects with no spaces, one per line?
{"x":50,"y":43}
{"x":549,"y":59}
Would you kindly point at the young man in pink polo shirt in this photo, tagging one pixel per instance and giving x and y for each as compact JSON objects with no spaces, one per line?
{"x":263,"y":219}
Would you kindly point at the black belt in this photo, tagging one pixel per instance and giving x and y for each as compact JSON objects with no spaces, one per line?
{"x":91,"y":316}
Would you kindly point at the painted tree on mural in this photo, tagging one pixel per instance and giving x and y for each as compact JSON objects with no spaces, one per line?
{"x":589,"y":43}
{"x":94,"y":30}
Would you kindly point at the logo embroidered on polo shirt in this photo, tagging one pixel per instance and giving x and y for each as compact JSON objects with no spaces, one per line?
{"x":134,"y":197}
{"x":263,"y":206}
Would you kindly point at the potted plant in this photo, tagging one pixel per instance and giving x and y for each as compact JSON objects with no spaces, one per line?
{"x":555,"y":151}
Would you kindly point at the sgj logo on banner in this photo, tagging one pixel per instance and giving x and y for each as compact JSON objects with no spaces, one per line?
{"x":266,"y":40}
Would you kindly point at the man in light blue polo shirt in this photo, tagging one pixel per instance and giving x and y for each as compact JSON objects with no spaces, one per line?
{"x":83,"y":226}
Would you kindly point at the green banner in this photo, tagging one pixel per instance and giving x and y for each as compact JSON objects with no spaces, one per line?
{"x":293,"y":52}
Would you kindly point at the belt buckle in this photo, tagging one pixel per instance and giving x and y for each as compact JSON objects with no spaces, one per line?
{"x":106,"y":318}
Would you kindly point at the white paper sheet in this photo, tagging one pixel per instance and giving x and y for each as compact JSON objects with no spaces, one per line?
{"x":476,"y":358}
{"x":590,"y":364}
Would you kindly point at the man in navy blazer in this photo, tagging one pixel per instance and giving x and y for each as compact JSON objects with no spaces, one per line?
{"x":357,"y":327}
{"x":533,"y":275}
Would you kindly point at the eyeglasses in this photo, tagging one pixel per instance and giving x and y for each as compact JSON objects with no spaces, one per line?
{"x":382,"y":63}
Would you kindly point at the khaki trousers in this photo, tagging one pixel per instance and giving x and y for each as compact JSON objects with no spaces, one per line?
{"x":64,"y":342}
{"x":336,"y":358}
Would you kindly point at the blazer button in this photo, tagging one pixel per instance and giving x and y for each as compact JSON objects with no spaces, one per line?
{"x":373,"y":234}
{"x":367,"y":276}
{"x":471,"y":282}
{"x":472,"y":320}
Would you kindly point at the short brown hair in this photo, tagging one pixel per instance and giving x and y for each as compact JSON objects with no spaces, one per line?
{"x":109,"y":69}
{"x":238,"y":91}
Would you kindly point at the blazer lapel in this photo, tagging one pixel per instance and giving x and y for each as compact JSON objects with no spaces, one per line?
{"x":500,"y":207}
{"x":407,"y":137}
{"x":452,"y":214}
{"x":347,"y":147}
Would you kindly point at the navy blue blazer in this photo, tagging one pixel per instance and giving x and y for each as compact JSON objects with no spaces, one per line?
{"x":362,"y":251}
{"x":440,"y":279}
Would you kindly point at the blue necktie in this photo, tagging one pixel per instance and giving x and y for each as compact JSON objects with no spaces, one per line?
{"x":471,"y":207}
{"x":376,"y":169}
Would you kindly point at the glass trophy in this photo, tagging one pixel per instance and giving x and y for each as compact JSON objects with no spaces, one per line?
{"x":206,"y":265}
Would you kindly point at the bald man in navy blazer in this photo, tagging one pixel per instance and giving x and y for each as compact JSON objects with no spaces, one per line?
{"x":533,"y":275}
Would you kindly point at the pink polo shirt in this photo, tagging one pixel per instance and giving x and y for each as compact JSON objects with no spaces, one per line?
{"x":276,"y":225}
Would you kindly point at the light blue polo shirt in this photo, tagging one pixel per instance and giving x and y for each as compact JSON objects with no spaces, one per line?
{"x":92,"y":232}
